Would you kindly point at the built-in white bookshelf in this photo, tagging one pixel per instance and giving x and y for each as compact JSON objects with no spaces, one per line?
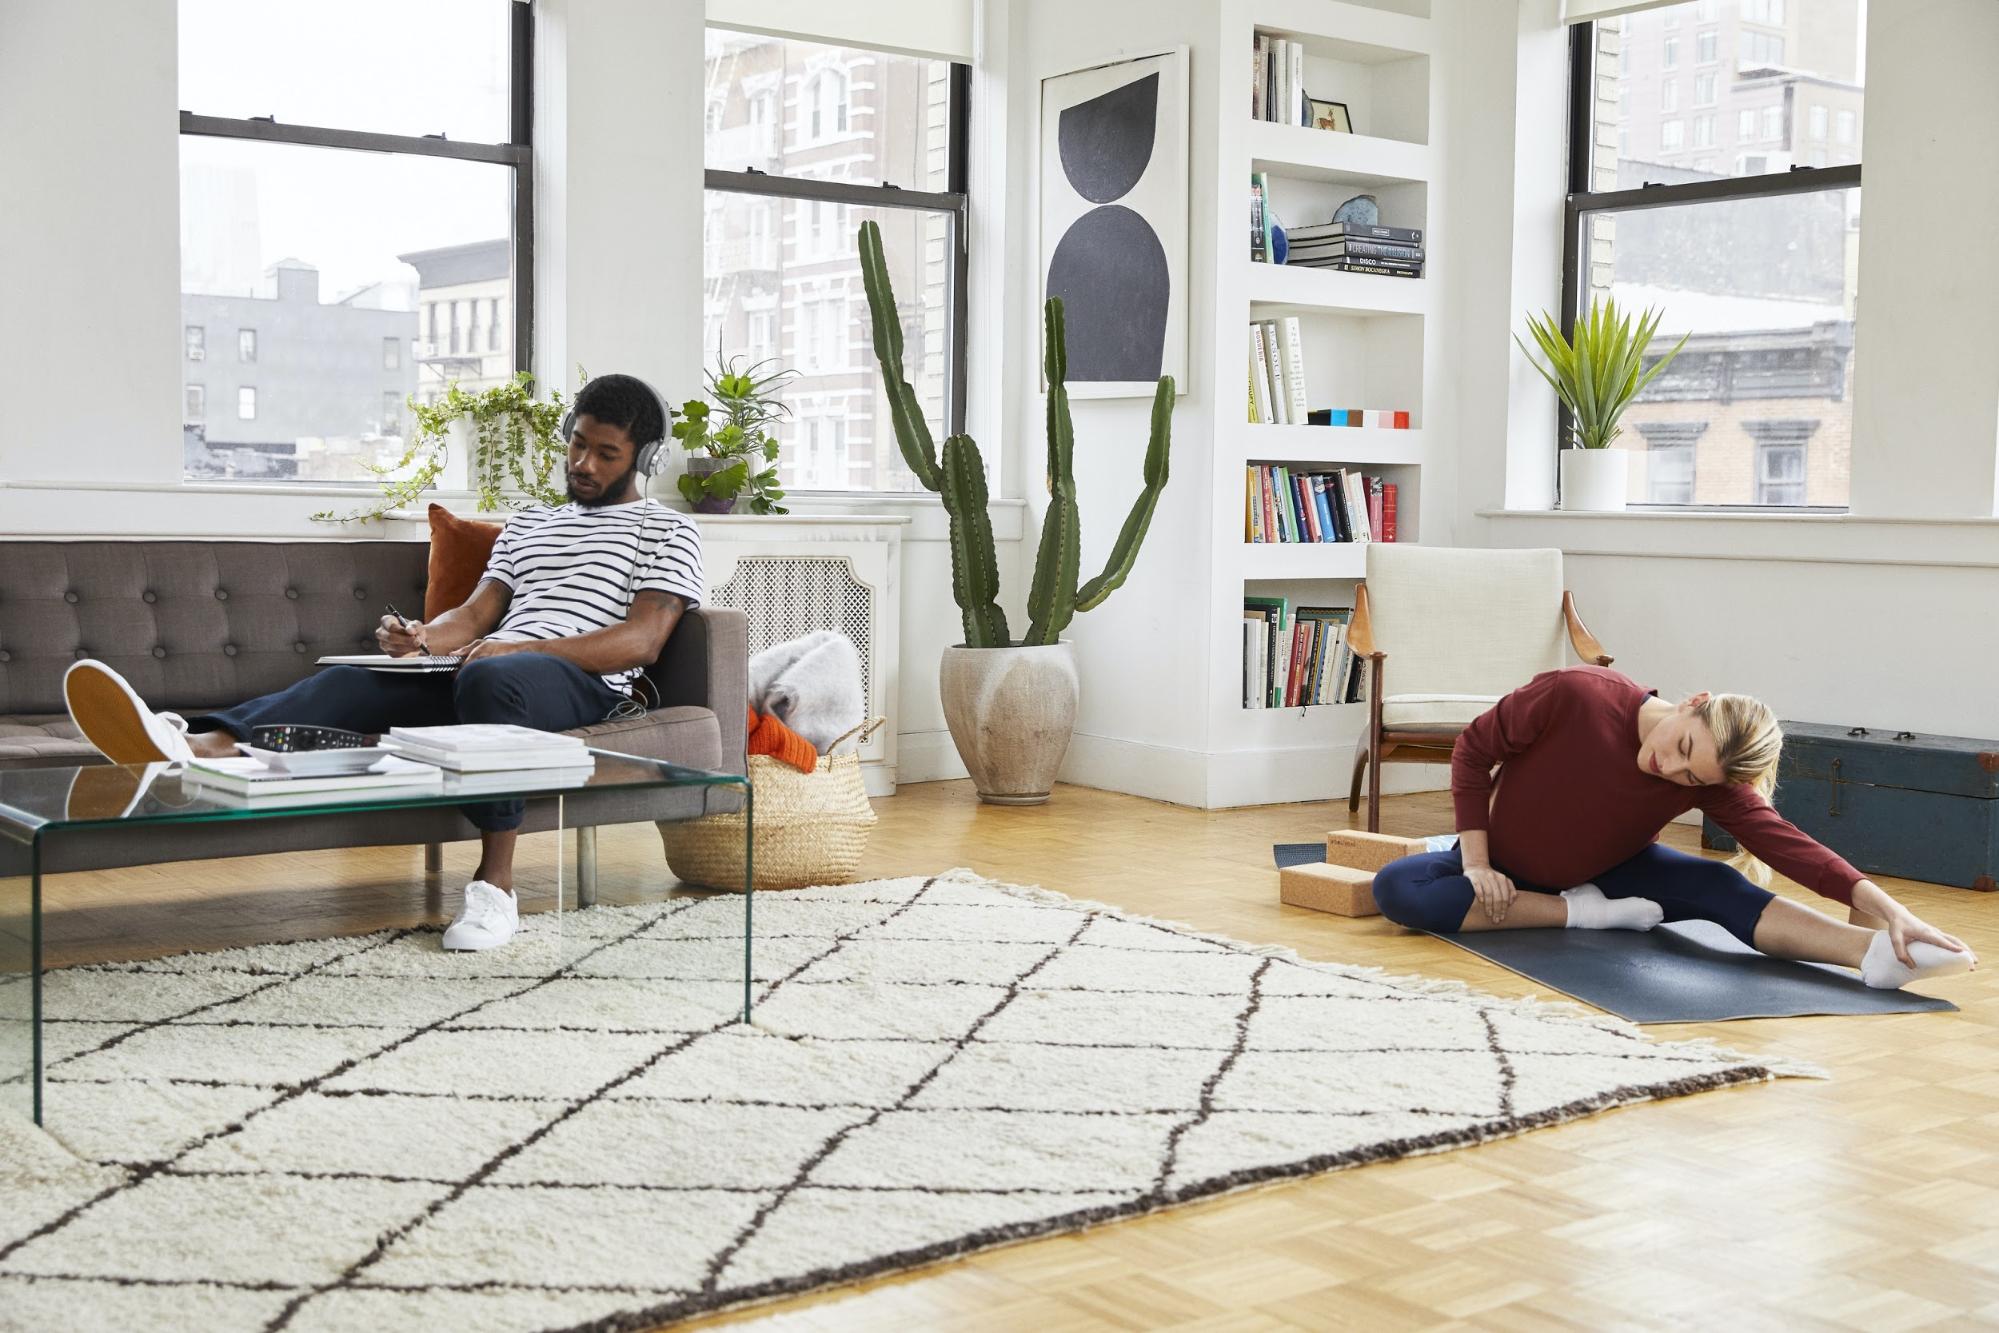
{"x":1370,"y":342}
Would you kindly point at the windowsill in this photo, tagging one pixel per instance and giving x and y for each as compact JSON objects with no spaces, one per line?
{"x":1819,"y":538}
{"x":1742,"y":515}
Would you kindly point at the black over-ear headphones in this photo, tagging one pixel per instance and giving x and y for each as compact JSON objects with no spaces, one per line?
{"x":647,"y":458}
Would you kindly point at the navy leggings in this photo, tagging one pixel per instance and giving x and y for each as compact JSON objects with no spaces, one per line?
{"x":536,"y":690}
{"x":1430,"y":891}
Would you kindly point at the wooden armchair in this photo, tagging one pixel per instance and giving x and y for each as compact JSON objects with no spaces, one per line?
{"x":1466,"y":626}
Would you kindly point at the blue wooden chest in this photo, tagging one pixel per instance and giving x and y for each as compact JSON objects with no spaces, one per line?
{"x":1892,"y":803}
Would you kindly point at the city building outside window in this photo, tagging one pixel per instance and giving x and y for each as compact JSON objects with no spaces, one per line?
{"x":1843,"y":122}
{"x":1671,"y":57}
{"x":396,"y":136}
{"x":1704,"y":85}
{"x":1754,"y":267}
{"x":197,"y":343}
{"x":1705,"y":44}
{"x":783,"y":279}
{"x":194,"y":404}
{"x":1669,"y":95}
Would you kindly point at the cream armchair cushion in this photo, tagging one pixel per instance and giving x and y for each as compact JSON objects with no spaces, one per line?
{"x":1399,"y":712}
{"x":1460,"y":627}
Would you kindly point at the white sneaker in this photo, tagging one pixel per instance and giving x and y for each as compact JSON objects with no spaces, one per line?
{"x":112,"y":717}
{"x":488,"y":919}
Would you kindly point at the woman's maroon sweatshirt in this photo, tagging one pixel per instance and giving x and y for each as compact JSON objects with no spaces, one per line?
{"x":1571,"y":801}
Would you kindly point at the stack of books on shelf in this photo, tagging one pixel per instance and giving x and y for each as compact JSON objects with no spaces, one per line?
{"x":488,"y":753}
{"x":1336,"y":505}
{"x":1396,"y":252}
{"x":1277,"y":81}
{"x":255,"y":783}
{"x":1292,"y":661}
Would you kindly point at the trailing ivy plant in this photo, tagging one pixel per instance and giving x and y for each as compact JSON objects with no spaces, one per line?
{"x":750,"y":408}
{"x":516,"y":441}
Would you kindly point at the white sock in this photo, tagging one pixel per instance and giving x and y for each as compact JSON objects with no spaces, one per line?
{"x":1882,"y":970}
{"x":1590,"y":910}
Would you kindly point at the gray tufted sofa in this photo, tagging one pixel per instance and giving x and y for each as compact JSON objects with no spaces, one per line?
{"x":198,"y":625}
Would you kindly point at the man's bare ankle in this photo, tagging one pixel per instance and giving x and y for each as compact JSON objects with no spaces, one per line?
{"x":212,"y":744}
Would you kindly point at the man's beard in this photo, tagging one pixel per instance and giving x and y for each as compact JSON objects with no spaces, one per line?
{"x":609,"y":495}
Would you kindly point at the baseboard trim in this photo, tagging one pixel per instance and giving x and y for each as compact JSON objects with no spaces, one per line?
{"x":1184,"y":777}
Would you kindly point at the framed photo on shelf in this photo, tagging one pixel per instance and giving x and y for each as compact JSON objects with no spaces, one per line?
{"x":1329,"y":115}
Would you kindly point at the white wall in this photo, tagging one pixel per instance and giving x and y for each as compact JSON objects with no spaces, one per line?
{"x":1141,"y":725}
{"x":89,"y":243}
{"x":1882,"y":618}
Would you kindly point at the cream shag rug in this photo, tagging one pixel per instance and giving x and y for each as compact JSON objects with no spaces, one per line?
{"x":575,"y":1132}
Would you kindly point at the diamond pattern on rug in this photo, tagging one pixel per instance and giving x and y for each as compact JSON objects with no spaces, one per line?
{"x":576,"y":1131}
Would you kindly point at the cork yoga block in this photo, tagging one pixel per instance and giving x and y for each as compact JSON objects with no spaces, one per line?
{"x":1368,"y":851}
{"x":1328,"y":888}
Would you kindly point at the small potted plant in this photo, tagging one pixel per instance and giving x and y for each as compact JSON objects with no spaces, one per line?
{"x":512,"y":439}
{"x":1596,"y":374}
{"x":732,"y":459}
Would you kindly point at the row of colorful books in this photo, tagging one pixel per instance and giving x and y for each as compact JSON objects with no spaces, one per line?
{"x":1336,"y":505}
{"x":1296,"y":660}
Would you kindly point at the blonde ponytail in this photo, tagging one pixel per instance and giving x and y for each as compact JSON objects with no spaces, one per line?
{"x":1747,"y":742}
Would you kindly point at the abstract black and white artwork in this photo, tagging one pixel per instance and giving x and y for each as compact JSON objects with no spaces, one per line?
{"x":1114,"y":221}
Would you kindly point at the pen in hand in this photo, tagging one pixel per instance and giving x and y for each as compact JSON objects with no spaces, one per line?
{"x":408,"y":628}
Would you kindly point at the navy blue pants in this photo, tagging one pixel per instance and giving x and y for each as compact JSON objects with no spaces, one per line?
{"x":1430,"y":891}
{"x":536,"y":690}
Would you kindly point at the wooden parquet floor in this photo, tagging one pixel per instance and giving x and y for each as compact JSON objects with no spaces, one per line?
{"x":1868,"y":1202}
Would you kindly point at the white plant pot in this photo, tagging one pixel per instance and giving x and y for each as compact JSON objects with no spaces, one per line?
{"x":1597,"y":479}
{"x":1011,"y":712}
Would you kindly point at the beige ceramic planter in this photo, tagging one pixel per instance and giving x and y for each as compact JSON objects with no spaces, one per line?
{"x":1011,"y":712}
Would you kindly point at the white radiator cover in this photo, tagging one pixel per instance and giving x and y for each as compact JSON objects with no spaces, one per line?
{"x":792,"y":574}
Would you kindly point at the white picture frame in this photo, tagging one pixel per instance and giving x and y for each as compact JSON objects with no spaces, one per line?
{"x":1108,"y":273}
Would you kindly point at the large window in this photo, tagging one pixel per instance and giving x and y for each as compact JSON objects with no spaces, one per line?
{"x":355,"y":181}
{"x":807,"y":138}
{"x":1750,"y":253}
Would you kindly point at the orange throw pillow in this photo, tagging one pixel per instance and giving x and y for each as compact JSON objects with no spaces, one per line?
{"x":459,"y":550}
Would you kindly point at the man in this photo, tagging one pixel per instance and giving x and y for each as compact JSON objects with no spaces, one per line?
{"x":575,"y":602}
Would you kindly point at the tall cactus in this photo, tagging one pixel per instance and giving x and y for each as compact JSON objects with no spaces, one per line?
{"x":1053,"y":598}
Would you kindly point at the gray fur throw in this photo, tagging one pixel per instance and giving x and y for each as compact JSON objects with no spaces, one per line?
{"x":811,"y":684}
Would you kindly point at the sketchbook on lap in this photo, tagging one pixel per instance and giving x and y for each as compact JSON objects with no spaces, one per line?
{"x":383,"y":662}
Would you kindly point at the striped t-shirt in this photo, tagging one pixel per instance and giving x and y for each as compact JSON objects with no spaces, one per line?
{"x":573,"y":568}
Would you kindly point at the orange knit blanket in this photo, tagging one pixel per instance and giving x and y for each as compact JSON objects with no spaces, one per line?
{"x":770,"y":736}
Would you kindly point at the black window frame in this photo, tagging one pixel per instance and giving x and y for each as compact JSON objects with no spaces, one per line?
{"x":1582,"y":201}
{"x":952,"y":201}
{"x":517,"y":152}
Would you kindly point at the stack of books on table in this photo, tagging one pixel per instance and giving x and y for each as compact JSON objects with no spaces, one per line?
{"x":486,"y":747}
{"x":1396,"y":252}
{"x":257,"y":784}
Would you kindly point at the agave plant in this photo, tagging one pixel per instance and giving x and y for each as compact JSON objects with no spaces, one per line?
{"x":960,"y":480}
{"x":1597,"y":372}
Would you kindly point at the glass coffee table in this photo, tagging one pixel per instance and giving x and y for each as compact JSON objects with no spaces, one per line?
{"x":42,"y":805}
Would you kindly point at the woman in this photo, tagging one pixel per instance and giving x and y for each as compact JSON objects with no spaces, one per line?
{"x":1591,"y":767}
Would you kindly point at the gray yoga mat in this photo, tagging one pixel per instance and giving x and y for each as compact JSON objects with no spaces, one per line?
{"x":1683,"y":972}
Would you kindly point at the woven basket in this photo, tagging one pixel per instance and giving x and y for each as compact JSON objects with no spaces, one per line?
{"x":811,"y":828}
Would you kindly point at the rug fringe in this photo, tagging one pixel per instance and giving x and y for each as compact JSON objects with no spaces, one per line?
{"x":1525,"y":1006}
